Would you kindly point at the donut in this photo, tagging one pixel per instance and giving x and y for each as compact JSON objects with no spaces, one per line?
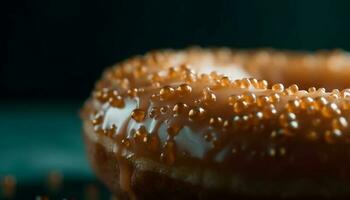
{"x":222,"y":124}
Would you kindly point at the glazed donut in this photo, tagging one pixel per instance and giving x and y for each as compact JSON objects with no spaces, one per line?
{"x":205,"y":124}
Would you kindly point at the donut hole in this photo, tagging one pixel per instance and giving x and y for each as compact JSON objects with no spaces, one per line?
{"x":303,"y":77}
{"x":306,"y":78}
{"x":322,"y":69}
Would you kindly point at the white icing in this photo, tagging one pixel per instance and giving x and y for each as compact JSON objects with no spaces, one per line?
{"x":232,"y":71}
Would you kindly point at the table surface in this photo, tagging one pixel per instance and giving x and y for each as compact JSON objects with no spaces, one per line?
{"x":38,"y":138}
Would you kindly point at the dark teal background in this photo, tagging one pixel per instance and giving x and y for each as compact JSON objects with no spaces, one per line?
{"x":52,"y":51}
{"x":41,"y":137}
{"x":57,"y":48}
{"x":38,"y":138}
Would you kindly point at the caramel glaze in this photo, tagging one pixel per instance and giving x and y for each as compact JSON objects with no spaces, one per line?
{"x":159,"y":107}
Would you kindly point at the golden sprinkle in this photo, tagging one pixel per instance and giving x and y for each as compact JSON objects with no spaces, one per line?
{"x":274,"y":98}
{"x":125,"y":84}
{"x":312,"y":89}
{"x":240,"y":106}
{"x":126,"y":142}
{"x":335,"y":91}
{"x":320,"y":102}
{"x":263,"y":84}
{"x":132,"y":92}
{"x":293,"y":89}
{"x":110,"y":132}
{"x":282,"y":151}
{"x":262,"y":100}
{"x":180,"y":108}
{"x":254,"y":83}
{"x":345,"y":93}
{"x":340,"y":123}
{"x":225,"y":81}
{"x":345,"y":104}
{"x":141,"y":135}
{"x":321,"y":90}
{"x":208,"y":136}
{"x":312,"y":135}
{"x":164,"y":109}
{"x":155,"y":78}
{"x":138,"y":115}
{"x":332,"y":136}
{"x":245,"y":83}
{"x":204,"y":77}
{"x":139,"y":71}
{"x":184,"y":89}
{"x":216,"y":122}
{"x":316,"y":122}
{"x":330,"y":110}
{"x":306,"y":102}
{"x":272,"y":152}
{"x":117,"y":101}
{"x":98,"y":119}
{"x":293,"y":105}
{"x":189,"y":76}
{"x":288,"y":120}
{"x":208,"y":96}
{"x":197,"y":113}
{"x":166,"y":92}
{"x":171,"y":72}
{"x":269,"y":111}
{"x":101,"y":96}
{"x":237,"y":83}
{"x":278,"y":87}
{"x":214,"y":75}
{"x":249,"y":97}
{"x":259,"y":115}
{"x":154,"y":113}
{"x":232,"y":99}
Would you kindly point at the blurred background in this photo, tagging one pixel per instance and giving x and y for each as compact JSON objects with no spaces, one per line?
{"x":52,"y":51}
